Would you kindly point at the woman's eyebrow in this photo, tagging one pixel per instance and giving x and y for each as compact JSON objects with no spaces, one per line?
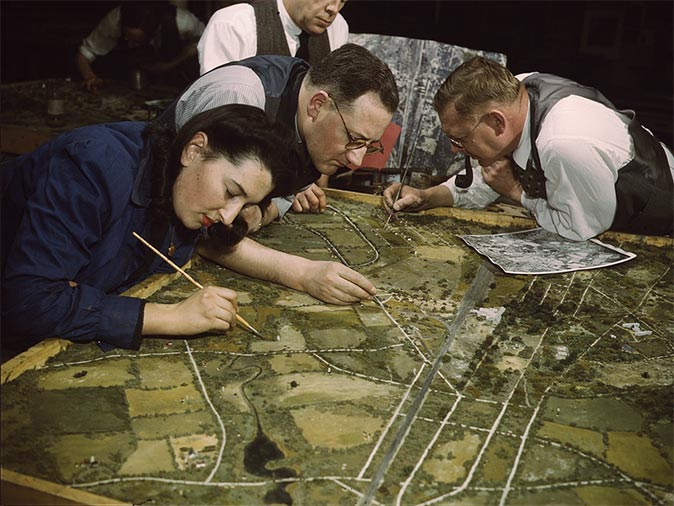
{"x":239,"y":188}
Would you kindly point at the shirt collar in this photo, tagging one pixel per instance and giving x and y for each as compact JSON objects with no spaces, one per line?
{"x":288,"y":24}
{"x":298,"y":137}
{"x":523,"y":150}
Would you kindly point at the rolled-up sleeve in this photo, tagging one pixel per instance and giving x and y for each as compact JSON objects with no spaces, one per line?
{"x":189,"y":26}
{"x":227,"y":37}
{"x":338,"y":32}
{"x":103,"y":38}
{"x":283,"y":204}
{"x":477,"y":196}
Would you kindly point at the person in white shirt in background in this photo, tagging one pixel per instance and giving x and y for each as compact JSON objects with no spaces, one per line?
{"x":559,"y":149}
{"x":155,"y":36}
{"x":233,"y":34}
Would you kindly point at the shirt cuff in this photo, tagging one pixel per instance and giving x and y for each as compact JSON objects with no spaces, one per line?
{"x":283,"y":205}
{"x":527,"y":202}
{"x":121,"y":323}
{"x":449,"y":184}
{"x":87,"y":54}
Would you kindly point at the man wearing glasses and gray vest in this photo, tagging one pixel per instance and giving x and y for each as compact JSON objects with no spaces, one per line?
{"x":338,"y":109}
{"x":559,"y":149}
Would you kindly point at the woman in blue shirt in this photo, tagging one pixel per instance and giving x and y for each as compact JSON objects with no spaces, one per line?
{"x":70,"y":207}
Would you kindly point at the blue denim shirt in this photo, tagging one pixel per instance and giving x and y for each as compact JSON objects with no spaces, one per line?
{"x":67,"y":218}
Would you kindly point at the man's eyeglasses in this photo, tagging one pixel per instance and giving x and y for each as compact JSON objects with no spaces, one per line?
{"x":354,"y":143}
{"x":460,"y":142}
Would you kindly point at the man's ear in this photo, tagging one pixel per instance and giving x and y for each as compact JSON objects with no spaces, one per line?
{"x":317,"y":101}
{"x":194,"y":148}
{"x":497,"y":121}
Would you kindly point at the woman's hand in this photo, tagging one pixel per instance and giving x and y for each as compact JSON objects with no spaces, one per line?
{"x":253,"y":216}
{"x":335,"y":283}
{"x":212,"y":308}
{"x":330,"y":282}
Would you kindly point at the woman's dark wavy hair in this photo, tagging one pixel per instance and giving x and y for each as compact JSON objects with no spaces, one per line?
{"x":235,"y":132}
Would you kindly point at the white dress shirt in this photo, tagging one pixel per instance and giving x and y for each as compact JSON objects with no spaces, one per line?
{"x":107,"y":33}
{"x":231,"y":35}
{"x":582,"y":144}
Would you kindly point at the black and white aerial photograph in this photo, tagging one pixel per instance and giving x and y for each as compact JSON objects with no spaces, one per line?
{"x":538,"y":251}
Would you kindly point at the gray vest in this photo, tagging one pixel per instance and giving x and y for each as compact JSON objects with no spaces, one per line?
{"x":644,"y":189}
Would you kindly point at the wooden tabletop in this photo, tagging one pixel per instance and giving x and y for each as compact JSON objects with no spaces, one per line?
{"x":23,"y":109}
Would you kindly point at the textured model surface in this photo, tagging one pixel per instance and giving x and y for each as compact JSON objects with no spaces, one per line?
{"x":556,"y":389}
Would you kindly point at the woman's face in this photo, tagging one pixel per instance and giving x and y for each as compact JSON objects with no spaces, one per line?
{"x":211,"y":191}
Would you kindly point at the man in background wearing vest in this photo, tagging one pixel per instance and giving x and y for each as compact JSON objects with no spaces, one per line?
{"x":273,"y":27}
{"x":154,"y":36}
{"x":559,"y":149}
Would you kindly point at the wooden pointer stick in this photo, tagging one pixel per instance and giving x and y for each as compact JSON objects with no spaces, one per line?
{"x":166,"y":259}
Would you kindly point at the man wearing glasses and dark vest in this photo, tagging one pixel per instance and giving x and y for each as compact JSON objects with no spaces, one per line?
{"x":338,"y":108}
{"x":307,"y":29}
{"x":561,"y":150}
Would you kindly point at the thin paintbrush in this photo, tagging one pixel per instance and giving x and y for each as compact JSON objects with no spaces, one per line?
{"x":400,"y":188}
{"x":166,"y":259}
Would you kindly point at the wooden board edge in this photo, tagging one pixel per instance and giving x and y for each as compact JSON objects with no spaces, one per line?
{"x":22,"y":490}
{"x":153,"y":283}
{"x":506,"y":216}
{"x":647,"y":240}
{"x":500,"y":214}
{"x":33,"y":358}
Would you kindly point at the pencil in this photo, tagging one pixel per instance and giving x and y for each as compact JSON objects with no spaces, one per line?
{"x":166,"y":259}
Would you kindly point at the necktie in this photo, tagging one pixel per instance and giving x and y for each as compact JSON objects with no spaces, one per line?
{"x":303,"y":51}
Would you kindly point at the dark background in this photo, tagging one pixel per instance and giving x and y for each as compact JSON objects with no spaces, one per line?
{"x":624,"y":48}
